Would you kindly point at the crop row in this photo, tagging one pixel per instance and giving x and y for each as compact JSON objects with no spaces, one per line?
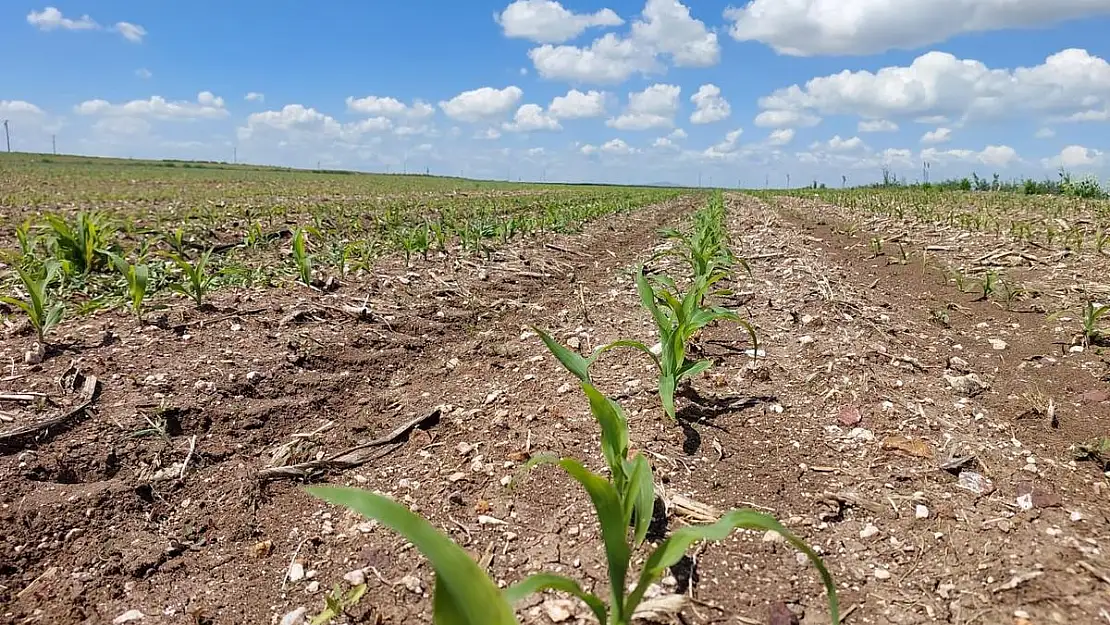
{"x":623,"y":496}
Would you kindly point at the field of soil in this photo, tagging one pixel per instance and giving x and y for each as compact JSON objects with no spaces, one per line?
{"x":923,"y":440}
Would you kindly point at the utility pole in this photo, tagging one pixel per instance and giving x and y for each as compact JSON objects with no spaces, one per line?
{"x":787,"y":181}
{"x":54,"y":144}
{"x":7,"y":136}
{"x":235,"y":155}
{"x":699,"y":179}
{"x":925,"y":172}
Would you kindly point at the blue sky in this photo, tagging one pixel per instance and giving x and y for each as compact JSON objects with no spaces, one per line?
{"x":616,"y":91}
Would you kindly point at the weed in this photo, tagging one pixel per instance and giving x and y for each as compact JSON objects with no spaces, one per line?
{"x":337,"y":602}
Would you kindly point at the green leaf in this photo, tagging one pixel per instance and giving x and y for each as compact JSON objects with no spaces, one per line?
{"x":672,"y":550}
{"x":666,"y":394}
{"x":647,"y":299}
{"x":639,"y":500}
{"x":692,"y":368}
{"x":614,"y":431}
{"x":464,"y":594}
{"x":610,"y":517}
{"x":571,"y":360}
{"x":549,"y":581}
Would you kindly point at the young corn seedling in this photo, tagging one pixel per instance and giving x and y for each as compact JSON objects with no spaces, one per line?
{"x":301,"y":257}
{"x":989,"y":285}
{"x":197,"y":280}
{"x":1092,"y":317}
{"x":137,"y":278}
{"x":83,"y":246}
{"x":43,"y":313}
{"x":465,"y":595}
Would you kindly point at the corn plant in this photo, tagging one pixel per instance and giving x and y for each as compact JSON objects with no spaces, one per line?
{"x":137,"y":278}
{"x":465,"y":595}
{"x":43,"y":313}
{"x":989,"y":285}
{"x":83,"y":246}
{"x":1092,"y":316}
{"x":197,"y":280}
{"x":301,"y":257}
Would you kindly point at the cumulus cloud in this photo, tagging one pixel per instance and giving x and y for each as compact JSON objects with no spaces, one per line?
{"x":840,"y":27}
{"x":654,"y":107}
{"x":531,"y":117}
{"x":481,"y":104}
{"x":940,"y":135}
{"x":665,"y":29}
{"x":782,"y":118}
{"x":876,"y":125}
{"x":726,"y":149}
{"x":206,"y":106}
{"x":299,"y":124}
{"x":618,"y":147}
{"x":992,"y":155}
{"x":1044,"y":133}
{"x":390,"y":107}
{"x":837,"y":144}
{"x":255,"y":96}
{"x":938,"y":85}
{"x":782,"y":136}
{"x":578,"y":105}
{"x":51,"y":18}
{"x":131,"y":32}
{"x":709,"y":105}
{"x":547,"y":21}
{"x":144,"y":73}
{"x":1075,"y":156}
{"x":18,"y":108}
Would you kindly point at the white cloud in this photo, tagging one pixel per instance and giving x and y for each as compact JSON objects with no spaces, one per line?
{"x":938,"y":85}
{"x":578,"y":105}
{"x":839,"y":27}
{"x":677,"y":133}
{"x":664,"y":143}
{"x":782,"y":136}
{"x":876,"y":125}
{"x":1092,"y":115}
{"x":1045,"y":133}
{"x":940,"y":135}
{"x":837,"y":144}
{"x":654,"y":107}
{"x":1075,"y":156}
{"x":726,"y":149}
{"x":18,"y":108}
{"x":588,"y":149}
{"x":131,"y":32}
{"x":479,"y":104}
{"x":546,"y":21}
{"x":144,"y":73}
{"x":207,"y":106}
{"x":299,"y":124}
{"x":782,"y":118}
{"x":390,"y":107}
{"x":51,"y":18}
{"x":489,"y":134}
{"x":709,"y":105}
{"x":255,"y":96}
{"x":619,"y":147}
{"x":665,"y":28}
{"x":992,"y":155}
{"x":529,"y":118}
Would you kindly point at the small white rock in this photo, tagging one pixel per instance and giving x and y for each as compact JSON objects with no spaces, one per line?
{"x":129,"y":617}
{"x":1076,"y":349}
{"x":356,"y":577}
{"x":413,"y":584}
{"x":869,"y":531}
{"x":296,"y":617}
{"x":556,"y":610}
{"x":254,"y":377}
{"x":296,"y":572}
{"x":312,"y":588}
{"x":771,"y":536}
{"x":997,"y":344}
{"x":574,"y":342}
{"x":882,"y":574}
{"x":1076,"y":516}
{"x":921,"y":511}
